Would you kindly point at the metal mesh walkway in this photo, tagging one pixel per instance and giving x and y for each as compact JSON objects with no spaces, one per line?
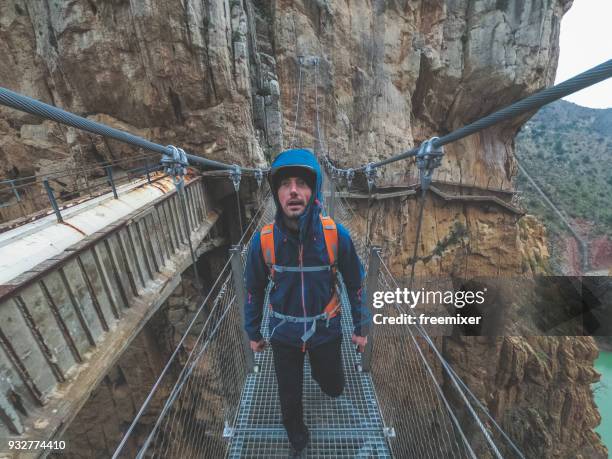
{"x":347,"y":426}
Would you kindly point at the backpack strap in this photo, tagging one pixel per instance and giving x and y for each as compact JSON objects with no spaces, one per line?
{"x":330,"y":232}
{"x":267,"y":246}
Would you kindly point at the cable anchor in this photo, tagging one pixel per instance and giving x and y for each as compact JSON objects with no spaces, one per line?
{"x":428,"y":159}
{"x":259,"y":177}
{"x":350,"y":175}
{"x":175,"y":164}
{"x":236,"y":175}
{"x":370,"y":173}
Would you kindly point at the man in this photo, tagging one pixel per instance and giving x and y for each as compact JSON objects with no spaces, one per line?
{"x":301,"y":254}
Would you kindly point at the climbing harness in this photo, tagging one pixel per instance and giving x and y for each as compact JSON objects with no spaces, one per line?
{"x":332,"y":309}
{"x":428,"y":159}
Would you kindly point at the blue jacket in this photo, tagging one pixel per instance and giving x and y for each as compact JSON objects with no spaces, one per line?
{"x":317,"y":287}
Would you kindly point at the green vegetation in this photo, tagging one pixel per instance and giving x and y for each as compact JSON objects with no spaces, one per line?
{"x":457,"y":232}
{"x":567,"y":149}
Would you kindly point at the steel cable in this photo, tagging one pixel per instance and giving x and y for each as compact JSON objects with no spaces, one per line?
{"x":588,"y":78}
{"x":297,"y":107}
{"x":427,"y":371}
{"x":35,"y":107}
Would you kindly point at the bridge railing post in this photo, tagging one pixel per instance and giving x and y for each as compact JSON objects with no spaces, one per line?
{"x":371,"y":286}
{"x":148,"y":170}
{"x":111,"y":181}
{"x":15,"y":191}
{"x":52,"y":200}
{"x":239,"y":286}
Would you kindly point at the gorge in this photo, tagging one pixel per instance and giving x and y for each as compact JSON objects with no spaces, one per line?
{"x":220,"y":78}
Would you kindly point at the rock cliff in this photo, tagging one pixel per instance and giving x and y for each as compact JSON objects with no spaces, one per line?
{"x":220,"y":78}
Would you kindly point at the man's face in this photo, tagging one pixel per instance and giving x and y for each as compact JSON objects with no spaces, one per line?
{"x":293,"y":195}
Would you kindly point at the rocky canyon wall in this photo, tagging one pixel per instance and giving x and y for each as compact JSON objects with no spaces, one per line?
{"x":174,"y":72}
{"x":220,"y":78}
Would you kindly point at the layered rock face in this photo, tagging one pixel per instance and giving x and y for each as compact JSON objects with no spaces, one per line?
{"x":537,"y":388}
{"x":221,"y":79}
{"x":396,"y":73}
{"x":175,"y":72}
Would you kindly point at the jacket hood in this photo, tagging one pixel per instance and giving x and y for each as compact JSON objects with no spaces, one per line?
{"x":299,"y":158}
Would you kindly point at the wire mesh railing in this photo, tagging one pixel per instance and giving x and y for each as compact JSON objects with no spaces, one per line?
{"x":205,"y":397}
{"x":420,"y":396}
{"x":202,"y":404}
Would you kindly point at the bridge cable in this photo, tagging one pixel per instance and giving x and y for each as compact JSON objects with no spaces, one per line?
{"x":182,"y":378}
{"x":35,"y":107}
{"x":588,"y":78}
{"x":583,"y":80}
{"x":259,"y":214}
{"x":69,"y":172}
{"x":370,"y":173}
{"x":235,"y":176}
{"x":347,"y":217}
{"x":424,"y":366}
{"x":297,"y":106}
{"x":168,"y":364}
{"x":428,"y":159}
{"x":319,"y":137}
{"x":455,"y":379}
{"x":483,"y":408}
{"x":582,"y":243}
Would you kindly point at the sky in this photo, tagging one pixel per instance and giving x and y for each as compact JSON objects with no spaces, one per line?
{"x":585,"y":41}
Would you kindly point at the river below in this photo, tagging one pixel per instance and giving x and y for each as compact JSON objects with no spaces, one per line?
{"x":603,"y":397}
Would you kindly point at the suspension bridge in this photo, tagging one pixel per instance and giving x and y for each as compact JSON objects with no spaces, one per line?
{"x":402,"y":397}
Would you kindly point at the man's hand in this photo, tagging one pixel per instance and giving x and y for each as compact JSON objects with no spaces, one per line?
{"x":258,"y":346}
{"x":360,"y":341}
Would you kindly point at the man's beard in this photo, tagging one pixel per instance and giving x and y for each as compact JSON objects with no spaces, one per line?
{"x":294,"y":216}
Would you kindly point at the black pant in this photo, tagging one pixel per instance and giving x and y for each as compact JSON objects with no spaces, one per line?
{"x":326,"y":366}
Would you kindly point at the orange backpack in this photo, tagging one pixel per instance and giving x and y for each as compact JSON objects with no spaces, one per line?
{"x":330,"y":232}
